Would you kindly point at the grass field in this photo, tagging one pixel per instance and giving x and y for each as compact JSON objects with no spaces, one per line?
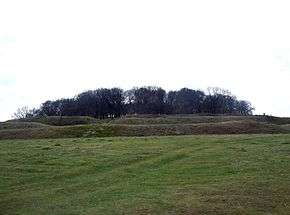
{"x":233,"y":174}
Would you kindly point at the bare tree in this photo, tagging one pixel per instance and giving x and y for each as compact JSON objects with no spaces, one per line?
{"x":24,"y":112}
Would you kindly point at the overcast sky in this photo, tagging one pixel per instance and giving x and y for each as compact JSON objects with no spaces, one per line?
{"x":58,"y":48}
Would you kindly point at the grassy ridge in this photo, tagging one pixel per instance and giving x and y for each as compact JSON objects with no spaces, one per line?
{"x":151,"y":119}
{"x":61,"y":120}
{"x":64,"y":127}
{"x":183,"y":119}
{"x":110,"y":130}
{"x":193,"y":119}
{"x":240,"y":174}
{"x":20,"y":125}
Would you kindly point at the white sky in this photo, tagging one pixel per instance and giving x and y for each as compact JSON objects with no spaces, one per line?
{"x":58,"y":48}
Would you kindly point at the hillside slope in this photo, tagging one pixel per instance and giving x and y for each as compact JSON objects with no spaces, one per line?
{"x":193,"y":119}
{"x":60,"y":120}
{"x":140,"y":125}
{"x":20,"y":125}
{"x":152,"y":119}
{"x":111,"y":130}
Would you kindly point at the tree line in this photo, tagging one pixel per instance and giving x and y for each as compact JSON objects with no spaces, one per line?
{"x":114,"y":102}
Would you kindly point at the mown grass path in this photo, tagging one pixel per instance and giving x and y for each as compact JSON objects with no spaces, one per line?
{"x":233,"y":174}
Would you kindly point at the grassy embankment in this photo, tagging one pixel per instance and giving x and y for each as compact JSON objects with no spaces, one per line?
{"x":64,"y":127}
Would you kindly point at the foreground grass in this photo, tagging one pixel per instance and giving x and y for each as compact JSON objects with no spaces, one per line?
{"x":242,"y":174}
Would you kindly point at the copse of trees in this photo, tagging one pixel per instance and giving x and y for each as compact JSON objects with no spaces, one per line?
{"x":145,"y":100}
{"x":112,"y":103}
{"x":100,"y":103}
{"x":185,"y":101}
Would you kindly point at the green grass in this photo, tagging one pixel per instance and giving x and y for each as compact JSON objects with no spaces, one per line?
{"x":20,"y":125}
{"x":60,"y":120}
{"x":113,"y":130}
{"x":177,"y":119}
{"x":140,"y":125}
{"x":151,"y":119}
{"x":193,"y":119}
{"x":234,"y":174}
